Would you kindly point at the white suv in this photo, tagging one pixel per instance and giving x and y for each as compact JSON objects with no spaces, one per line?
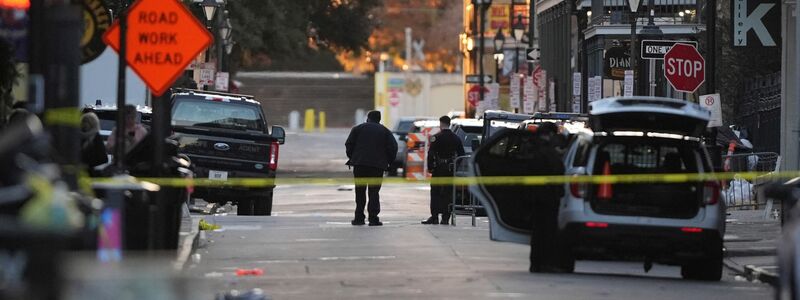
{"x":679,"y":223}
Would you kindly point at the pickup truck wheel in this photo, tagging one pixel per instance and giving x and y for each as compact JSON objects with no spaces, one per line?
{"x":262,"y":206}
{"x":244,"y":207}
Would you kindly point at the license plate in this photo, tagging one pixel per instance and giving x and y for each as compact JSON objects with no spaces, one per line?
{"x":217,"y":175}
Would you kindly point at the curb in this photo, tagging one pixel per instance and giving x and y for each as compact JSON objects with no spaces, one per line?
{"x":752,"y":273}
{"x":767,"y":251}
{"x":188,"y":244}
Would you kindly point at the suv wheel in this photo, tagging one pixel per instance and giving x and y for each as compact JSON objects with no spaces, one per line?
{"x":708,"y":268}
{"x":244,"y":207}
{"x":262,"y":206}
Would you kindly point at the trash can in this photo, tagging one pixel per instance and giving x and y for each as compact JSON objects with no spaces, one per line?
{"x":31,"y":261}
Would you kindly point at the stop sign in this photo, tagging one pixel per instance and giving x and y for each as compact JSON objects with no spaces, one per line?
{"x":474,"y":94}
{"x":684,"y":68}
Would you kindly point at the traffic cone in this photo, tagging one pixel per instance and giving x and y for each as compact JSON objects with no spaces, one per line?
{"x":604,"y":191}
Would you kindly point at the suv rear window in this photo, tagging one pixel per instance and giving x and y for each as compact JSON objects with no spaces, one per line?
{"x":643,"y":157}
{"x":228,"y":115}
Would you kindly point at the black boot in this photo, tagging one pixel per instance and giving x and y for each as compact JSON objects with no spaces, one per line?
{"x":433,"y":220}
{"x":445,"y":220}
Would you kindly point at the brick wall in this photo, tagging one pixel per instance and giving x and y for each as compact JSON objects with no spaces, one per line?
{"x":338,"y":95}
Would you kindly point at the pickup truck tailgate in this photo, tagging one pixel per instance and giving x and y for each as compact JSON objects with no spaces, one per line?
{"x":247,"y":156}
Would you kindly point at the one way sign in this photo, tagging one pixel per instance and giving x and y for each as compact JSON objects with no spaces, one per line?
{"x":756,"y":23}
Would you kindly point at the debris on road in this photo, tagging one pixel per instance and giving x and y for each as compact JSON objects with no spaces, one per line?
{"x":249,"y":272}
{"x":208,"y":226}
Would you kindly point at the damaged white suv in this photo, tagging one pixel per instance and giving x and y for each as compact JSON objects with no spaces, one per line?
{"x":673,"y":223}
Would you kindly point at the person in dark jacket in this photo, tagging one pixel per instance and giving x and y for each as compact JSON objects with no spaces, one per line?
{"x":546,"y":253}
{"x":370,"y":149}
{"x":444,"y":148}
{"x":93,"y":151}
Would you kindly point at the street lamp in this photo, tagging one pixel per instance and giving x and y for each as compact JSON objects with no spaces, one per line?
{"x":225,"y":28}
{"x":499,"y":40}
{"x":209,"y":11}
{"x":484,"y":6}
{"x":209,"y":8}
{"x":517,"y":32}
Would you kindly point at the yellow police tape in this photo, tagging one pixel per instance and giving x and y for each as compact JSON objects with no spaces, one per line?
{"x":484,"y":180}
{"x":63,"y":116}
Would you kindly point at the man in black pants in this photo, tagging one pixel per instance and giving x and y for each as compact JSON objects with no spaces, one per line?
{"x":370,"y":149}
{"x":444,"y":148}
{"x":546,"y":253}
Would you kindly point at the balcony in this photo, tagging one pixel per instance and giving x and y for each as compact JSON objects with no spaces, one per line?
{"x":674,"y":17}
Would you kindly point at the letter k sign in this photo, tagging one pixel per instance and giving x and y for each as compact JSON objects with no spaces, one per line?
{"x":743,"y":23}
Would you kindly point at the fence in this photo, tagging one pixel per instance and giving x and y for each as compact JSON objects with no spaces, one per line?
{"x":464,"y":203}
{"x":743,"y":194}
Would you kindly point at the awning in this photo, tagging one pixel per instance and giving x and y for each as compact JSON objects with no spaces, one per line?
{"x":614,"y":3}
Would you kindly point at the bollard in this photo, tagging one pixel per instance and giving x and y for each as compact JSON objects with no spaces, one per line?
{"x":322,"y":122}
{"x":361,"y":116}
{"x":294,"y":120}
{"x":309,"y":121}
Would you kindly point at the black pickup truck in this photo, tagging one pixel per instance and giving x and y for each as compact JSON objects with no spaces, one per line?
{"x":226,"y":136}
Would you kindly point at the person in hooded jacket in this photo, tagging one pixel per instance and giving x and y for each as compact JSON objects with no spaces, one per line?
{"x":93,"y":151}
{"x":370,"y":148}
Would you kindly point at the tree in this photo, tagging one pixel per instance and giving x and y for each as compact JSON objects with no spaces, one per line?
{"x":286,"y":34}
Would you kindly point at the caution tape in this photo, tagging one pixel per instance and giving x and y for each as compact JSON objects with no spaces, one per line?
{"x":63,"y":116}
{"x":484,"y":180}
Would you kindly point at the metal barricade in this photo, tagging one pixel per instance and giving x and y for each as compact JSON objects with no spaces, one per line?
{"x":742,"y":194}
{"x":464,"y":203}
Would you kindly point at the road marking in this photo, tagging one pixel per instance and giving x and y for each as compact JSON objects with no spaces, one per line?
{"x":333,"y":258}
{"x":290,"y":261}
{"x":317,"y":240}
{"x":506,"y":295}
{"x":242,"y":227}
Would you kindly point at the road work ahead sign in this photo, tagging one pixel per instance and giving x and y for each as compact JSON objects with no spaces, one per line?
{"x":756,"y":23}
{"x":163,"y":38}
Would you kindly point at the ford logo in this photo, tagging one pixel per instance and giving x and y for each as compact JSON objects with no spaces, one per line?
{"x":222,"y":147}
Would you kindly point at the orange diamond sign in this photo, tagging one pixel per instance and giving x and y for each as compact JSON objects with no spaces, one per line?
{"x":163,"y":38}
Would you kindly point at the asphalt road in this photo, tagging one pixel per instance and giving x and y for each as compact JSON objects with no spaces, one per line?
{"x":308,"y":250}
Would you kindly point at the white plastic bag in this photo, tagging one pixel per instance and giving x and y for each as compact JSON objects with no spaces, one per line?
{"x":740,"y":191}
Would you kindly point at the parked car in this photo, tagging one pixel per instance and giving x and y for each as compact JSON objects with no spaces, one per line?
{"x":469,"y":130}
{"x":401,"y":130}
{"x":108,"y":116}
{"x":226,"y":136}
{"x":669,"y":223}
{"x":496,"y":120}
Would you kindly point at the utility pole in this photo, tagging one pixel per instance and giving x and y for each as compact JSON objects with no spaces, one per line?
{"x":56,"y":30}
{"x":119,"y":148}
{"x":531,"y":30}
{"x":485,"y":4}
{"x":711,"y":44}
{"x":409,"y":57}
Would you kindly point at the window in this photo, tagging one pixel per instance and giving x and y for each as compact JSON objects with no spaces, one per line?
{"x":203,"y":113}
{"x":646,"y":157}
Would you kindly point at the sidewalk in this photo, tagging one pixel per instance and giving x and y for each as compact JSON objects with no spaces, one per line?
{"x":750,"y":245}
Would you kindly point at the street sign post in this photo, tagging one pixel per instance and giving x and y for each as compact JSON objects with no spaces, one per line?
{"x":474,"y":95}
{"x":714,"y":104}
{"x":655,"y":49}
{"x":684,"y":68}
{"x":476,"y":79}
{"x":163,"y":37}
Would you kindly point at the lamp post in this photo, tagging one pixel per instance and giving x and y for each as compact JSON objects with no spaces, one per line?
{"x":209,"y":11}
{"x":499,"y":40}
{"x":483,"y":5}
{"x":518,"y":31}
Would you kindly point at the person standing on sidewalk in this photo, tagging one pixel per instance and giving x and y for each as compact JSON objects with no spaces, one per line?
{"x":445,"y":147}
{"x":370,"y":149}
